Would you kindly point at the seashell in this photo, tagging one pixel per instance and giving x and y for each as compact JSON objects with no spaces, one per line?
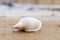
{"x":28,"y":24}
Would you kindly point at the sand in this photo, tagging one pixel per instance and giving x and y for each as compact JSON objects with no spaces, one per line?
{"x":50,"y":30}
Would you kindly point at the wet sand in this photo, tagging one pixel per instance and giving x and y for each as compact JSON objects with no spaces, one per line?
{"x":50,"y":30}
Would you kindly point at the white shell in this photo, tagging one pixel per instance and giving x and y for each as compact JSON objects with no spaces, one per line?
{"x":30,"y":24}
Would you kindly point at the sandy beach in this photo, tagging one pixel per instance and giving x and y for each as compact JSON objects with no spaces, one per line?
{"x":50,"y":30}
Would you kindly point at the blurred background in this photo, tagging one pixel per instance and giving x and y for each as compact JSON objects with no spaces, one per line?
{"x":29,"y":8}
